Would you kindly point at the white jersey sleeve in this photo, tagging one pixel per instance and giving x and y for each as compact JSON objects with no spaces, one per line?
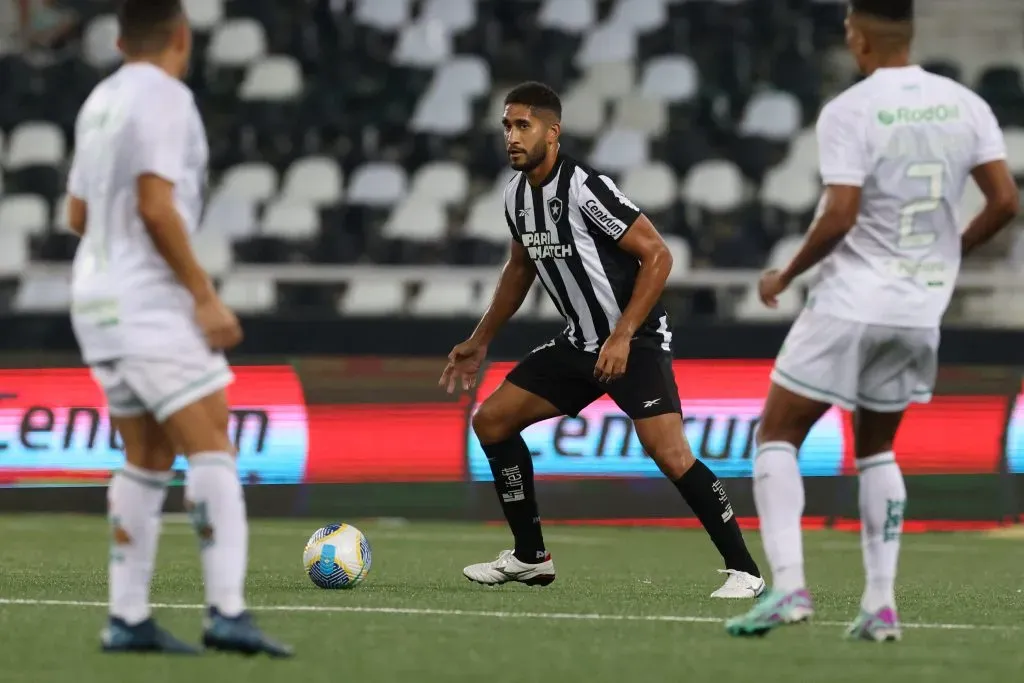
{"x":842,"y":145}
{"x":160,"y":139}
{"x":991,"y":145}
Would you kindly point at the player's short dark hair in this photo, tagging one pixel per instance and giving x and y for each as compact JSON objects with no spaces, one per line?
{"x":146,"y":25}
{"x":536,"y":96}
{"x":890,"y":10}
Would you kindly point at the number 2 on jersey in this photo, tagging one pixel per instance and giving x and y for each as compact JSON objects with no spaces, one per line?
{"x":934,"y":174}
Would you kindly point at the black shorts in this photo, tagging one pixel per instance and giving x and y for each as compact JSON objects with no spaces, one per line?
{"x":564,"y":376}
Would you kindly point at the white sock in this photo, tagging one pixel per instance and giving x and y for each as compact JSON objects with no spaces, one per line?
{"x":135,"y":501}
{"x":216,"y":504}
{"x":779,"y":497}
{"x":883,"y":497}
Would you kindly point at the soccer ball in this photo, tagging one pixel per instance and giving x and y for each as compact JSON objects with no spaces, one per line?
{"x":337,"y":556}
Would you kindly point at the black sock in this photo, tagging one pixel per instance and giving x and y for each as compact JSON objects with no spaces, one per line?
{"x":705,"y":495}
{"x":512,"y":467}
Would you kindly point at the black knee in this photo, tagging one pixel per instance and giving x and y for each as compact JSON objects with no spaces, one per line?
{"x":492,"y":426}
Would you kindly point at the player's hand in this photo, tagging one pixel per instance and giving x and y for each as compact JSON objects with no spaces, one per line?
{"x":463,"y":365}
{"x":772,"y":284}
{"x":219,"y":325}
{"x":611,"y":362}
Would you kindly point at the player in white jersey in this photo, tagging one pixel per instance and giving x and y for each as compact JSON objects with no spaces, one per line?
{"x":896,"y":151}
{"x":153,"y":330}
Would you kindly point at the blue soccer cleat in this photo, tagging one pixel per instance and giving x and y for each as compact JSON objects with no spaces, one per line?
{"x":774,"y":609}
{"x":143,"y":637}
{"x":239,"y":634}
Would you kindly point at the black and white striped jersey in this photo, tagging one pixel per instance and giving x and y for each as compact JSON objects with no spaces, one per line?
{"x":571,"y":225}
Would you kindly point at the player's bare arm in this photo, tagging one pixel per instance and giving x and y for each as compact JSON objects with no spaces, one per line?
{"x":77,"y":215}
{"x":1002,"y":204}
{"x":513,"y":285}
{"x":167,"y":230}
{"x":837,"y":218}
{"x":643,"y":242}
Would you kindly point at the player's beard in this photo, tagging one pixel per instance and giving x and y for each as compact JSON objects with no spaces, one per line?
{"x":534,"y":158}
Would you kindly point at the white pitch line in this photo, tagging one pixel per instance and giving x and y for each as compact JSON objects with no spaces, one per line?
{"x":549,"y":616}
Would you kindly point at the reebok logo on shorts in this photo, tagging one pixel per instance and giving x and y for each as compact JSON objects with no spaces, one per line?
{"x":651,"y":404}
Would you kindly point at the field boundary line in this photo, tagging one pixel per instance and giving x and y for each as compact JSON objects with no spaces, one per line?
{"x":543,"y":616}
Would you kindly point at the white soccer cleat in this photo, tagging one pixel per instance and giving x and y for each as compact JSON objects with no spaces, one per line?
{"x":508,"y":568}
{"x":739,"y":585}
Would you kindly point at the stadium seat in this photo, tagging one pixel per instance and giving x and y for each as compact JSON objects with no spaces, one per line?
{"x":43,"y":292}
{"x":619,"y":149}
{"x":247,"y":294}
{"x":606,"y":44}
{"x":237,"y":43}
{"x":416,"y":219}
{"x":373,"y":298}
{"x":803,"y":152}
{"x":377,"y":184}
{"x":99,"y":42}
{"x":582,"y":113}
{"x":567,"y":16}
{"x":680,"y":250}
{"x":422,"y":44}
{"x":234,"y":216}
{"x":648,"y":116}
{"x":204,"y":15}
{"x":291,"y":220}
{"x":442,"y":298}
{"x":213,"y":250}
{"x":715,"y":186}
{"x":274,"y":78}
{"x":455,"y":16}
{"x":255,"y":182}
{"x":609,"y":80}
{"x":35,"y":144}
{"x":442,"y":113}
{"x":383,"y":15}
{"x":444,"y":182}
{"x":318,"y":180}
{"x":641,"y":16}
{"x":671,"y":78}
{"x":651,"y":186}
{"x":1014,"y":138}
{"x":486,"y":221}
{"x":791,"y":190}
{"x":464,"y":75}
{"x":14,"y":254}
{"x":24,"y":214}
{"x":772,"y":115}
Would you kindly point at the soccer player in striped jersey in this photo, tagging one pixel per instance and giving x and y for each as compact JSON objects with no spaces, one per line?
{"x":604,"y":266}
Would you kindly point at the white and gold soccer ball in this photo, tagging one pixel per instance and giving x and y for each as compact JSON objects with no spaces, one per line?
{"x":337,"y":556}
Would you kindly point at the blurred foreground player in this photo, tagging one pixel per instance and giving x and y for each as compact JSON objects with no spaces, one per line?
{"x":896,"y":151}
{"x":604,"y":266}
{"x":152,"y":328}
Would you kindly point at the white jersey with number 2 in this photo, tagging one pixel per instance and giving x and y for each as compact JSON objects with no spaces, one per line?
{"x":126,"y":301}
{"x":910,"y":140}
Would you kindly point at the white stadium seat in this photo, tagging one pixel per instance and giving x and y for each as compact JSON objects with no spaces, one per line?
{"x":99,"y":42}
{"x":610,"y":80}
{"x":35,"y":144}
{"x":43,"y":292}
{"x":648,"y":116}
{"x":486,"y":221}
{"x":249,"y":294}
{"x":464,"y":75}
{"x":276,"y":79}
{"x":750,"y":307}
{"x":213,"y":250}
{"x":582,"y":113}
{"x":373,"y":298}
{"x":803,"y":152}
{"x":256,"y":181}
{"x":652,"y":186}
{"x":417,"y":220}
{"x":606,"y":44}
{"x":377,"y":184}
{"x":792,"y":190}
{"x":445,"y":182}
{"x":318,"y":180}
{"x":443,"y":298}
{"x":671,"y":78}
{"x":383,"y":15}
{"x":233,"y":216}
{"x":14,"y":255}
{"x":681,"y":256}
{"x":619,"y":149}
{"x":641,"y":16}
{"x":715,"y":185}
{"x":442,"y":113}
{"x":423,"y":44}
{"x":1014,"y":138}
{"x":24,"y":214}
{"x":290,"y":219}
{"x":455,"y":16}
{"x":568,"y":16}
{"x":204,"y":15}
{"x":773,"y":115}
{"x":237,"y":43}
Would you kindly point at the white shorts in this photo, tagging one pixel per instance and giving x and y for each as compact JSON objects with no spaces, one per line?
{"x":851,"y":364}
{"x":160,"y":386}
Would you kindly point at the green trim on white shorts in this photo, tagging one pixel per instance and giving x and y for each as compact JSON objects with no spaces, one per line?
{"x":787,"y":381}
{"x":190,"y":393}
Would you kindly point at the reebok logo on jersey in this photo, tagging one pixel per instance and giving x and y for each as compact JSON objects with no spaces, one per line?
{"x":544,"y":245}
{"x":612,"y":225}
{"x":933,"y":114}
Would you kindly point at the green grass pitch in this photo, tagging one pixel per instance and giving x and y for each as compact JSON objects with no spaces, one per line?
{"x":628,"y":604}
